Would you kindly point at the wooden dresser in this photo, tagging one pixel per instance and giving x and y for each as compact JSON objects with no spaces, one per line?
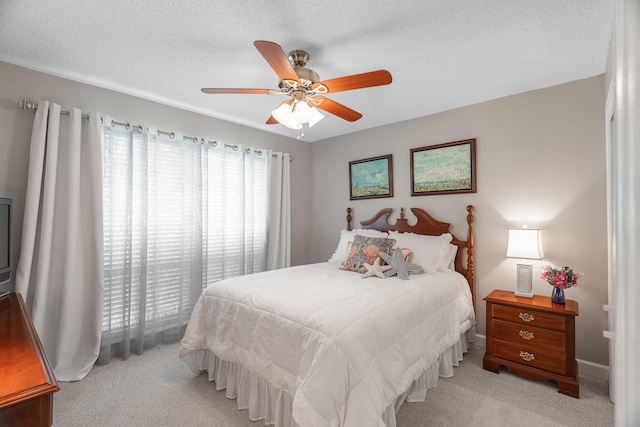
{"x":532,"y":337}
{"x":27,"y":383}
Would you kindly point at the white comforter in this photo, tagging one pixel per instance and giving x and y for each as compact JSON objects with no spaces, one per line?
{"x":344,"y":347}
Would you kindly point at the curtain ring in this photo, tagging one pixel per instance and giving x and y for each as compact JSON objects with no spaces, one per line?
{"x":193,"y":139}
{"x":171,"y":135}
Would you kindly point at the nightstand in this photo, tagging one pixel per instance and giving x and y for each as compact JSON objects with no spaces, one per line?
{"x":534,"y":338}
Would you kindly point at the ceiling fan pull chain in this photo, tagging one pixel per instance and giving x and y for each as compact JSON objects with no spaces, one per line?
{"x":300,"y":134}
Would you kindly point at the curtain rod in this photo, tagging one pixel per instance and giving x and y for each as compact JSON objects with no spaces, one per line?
{"x":29,"y":105}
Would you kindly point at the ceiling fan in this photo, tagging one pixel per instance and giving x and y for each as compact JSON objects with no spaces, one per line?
{"x":304,"y":89}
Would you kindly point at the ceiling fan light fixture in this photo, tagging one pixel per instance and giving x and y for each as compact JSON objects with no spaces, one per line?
{"x":316,"y":117}
{"x":294,"y":114}
{"x":302,"y":112}
{"x":284,"y":115}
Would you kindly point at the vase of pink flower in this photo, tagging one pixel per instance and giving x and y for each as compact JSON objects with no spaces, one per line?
{"x":560,"y":278}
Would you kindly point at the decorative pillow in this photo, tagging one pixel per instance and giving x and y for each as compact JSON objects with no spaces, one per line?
{"x":399,"y":266}
{"x":448,"y":260}
{"x":428,"y":251}
{"x":347,"y":236}
{"x":366,"y":250}
{"x":406,"y":253}
{"x":377,"y":268}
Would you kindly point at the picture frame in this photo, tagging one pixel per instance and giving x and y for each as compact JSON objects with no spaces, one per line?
{"x":447,"y":168}
{"x":371,"y":178}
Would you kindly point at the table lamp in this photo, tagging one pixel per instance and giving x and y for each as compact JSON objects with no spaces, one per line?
{"x":525,"y":243}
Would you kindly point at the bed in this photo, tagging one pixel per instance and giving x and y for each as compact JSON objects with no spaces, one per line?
{"x":316,"y":345}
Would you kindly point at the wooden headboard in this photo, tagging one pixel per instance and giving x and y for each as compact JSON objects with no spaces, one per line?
{"x":429,"y":226}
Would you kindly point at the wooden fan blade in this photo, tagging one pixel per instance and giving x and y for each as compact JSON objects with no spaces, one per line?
{"x":278,"y":60}
{"x":357,"y":81}
{"x":336,"y":109}
{"x":223,"y":91}
{"x":272,"y":121}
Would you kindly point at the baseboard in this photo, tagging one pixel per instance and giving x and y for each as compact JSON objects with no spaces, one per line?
{"x":585,"y":368}
{"x":595,"y":370}
{"x":481,"y":341}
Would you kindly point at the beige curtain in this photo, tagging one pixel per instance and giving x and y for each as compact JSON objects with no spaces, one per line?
{"x":59,"y":273}
{"x":279,"y":217}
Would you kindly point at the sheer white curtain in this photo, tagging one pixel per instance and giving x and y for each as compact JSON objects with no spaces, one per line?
{"x":59,"y":273}
{"x":178,"y":216}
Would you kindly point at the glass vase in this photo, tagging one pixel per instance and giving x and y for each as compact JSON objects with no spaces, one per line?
{"x":557,"y":295}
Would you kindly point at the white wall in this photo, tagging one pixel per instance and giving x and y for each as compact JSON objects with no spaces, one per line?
{"x":540,"y":161}
{"x":15,"y":132}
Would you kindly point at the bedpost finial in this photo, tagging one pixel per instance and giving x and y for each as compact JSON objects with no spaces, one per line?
{"x":349,"y":218}
{"x":401,"y":213}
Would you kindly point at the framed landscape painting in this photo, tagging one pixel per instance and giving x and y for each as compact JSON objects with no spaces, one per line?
{"x":444,"y":169}
{"x":371,"y":178}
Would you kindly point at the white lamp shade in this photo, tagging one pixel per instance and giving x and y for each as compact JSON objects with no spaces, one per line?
{"x":316,"y":117}
{"x":525,"y":243}
{"x":284,"y":115}
{"x":302,"y":112}
{"x":294,"y":115}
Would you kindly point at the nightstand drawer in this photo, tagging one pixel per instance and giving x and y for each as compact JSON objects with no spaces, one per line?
{"x":529,"y":317}
{"x":544,"y":339}
{"x":531,"y":356}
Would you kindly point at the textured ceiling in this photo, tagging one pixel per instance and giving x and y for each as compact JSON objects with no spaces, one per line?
{"x":443,"y":54}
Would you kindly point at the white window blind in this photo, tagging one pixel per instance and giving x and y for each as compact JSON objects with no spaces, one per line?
{"x":178,"y":216}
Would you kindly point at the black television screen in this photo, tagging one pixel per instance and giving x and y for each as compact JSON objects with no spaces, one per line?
{"x":5,"y":239}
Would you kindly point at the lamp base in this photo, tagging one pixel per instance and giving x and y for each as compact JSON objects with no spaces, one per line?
{"x":524,"y":294}
{"x":524,"y":287}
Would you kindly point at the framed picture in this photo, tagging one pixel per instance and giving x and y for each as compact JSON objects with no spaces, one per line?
{"x":371,"y":178}
{"x":444,"y":169}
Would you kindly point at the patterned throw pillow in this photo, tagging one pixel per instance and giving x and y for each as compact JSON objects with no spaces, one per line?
{"x":366,"y":250}
{"x":346,"y":237}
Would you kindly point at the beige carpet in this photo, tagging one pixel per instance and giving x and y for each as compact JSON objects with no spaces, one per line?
{"x":157,"y":389}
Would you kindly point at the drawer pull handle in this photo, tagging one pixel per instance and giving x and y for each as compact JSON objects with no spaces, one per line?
{"x":526,"y":335}
{"x":527,"y":356}
{"x":526,"y":317}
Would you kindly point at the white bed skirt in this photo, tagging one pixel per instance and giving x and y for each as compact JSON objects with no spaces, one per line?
{"x":273,"y":405}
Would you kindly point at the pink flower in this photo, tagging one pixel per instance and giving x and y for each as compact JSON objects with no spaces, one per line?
{"x":560,"y":281}
{"x":560,"y":277}
{"x":574,"y":279}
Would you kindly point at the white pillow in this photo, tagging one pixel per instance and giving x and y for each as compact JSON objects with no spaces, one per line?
{"x":347,"y":236}
{"x":428,"y":251}
{"x":448,"y":260}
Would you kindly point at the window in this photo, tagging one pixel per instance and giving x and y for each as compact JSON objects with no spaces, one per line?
{"x":178,"y":216}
